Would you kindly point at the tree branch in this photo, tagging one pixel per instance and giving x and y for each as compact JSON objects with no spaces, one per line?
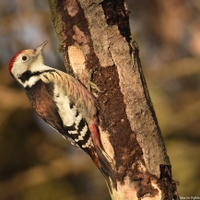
{"x":95,"y":34}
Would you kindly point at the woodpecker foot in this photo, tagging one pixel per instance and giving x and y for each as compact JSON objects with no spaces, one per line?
{"x":91,"y":84}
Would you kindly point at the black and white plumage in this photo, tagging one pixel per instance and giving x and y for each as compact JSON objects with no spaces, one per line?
{"x":62,"y":101}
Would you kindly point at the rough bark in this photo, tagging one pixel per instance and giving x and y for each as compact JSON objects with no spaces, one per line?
{"x":95,"y":34}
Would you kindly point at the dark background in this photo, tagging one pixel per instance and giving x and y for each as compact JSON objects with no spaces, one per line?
{"x":36,"y":163}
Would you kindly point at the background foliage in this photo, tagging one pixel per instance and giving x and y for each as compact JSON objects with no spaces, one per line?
{"x":36,"y":163}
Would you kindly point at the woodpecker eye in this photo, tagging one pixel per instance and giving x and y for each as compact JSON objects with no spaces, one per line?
{"x":24,"y":58}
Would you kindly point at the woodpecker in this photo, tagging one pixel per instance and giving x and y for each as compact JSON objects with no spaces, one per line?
{"x":63,"y":102}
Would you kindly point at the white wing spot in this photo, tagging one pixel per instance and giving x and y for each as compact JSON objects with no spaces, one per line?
{"x":82,"y":134}
{"x":67,"y":114}
{"x":84,"y":131}
{"x":77,"y":120}
{"x":73,"y":132}
{"x":88,"y":144}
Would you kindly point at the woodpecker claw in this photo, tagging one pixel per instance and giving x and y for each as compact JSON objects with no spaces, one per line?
{"x":92,"y":84}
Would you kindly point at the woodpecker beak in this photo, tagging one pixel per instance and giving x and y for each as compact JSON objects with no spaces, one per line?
{"x":40,"y":48}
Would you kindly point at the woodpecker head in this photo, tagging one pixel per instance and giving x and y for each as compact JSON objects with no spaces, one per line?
{"x":26,"y":60}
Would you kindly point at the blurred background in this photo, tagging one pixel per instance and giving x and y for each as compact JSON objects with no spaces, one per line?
{"x":36,"y":163}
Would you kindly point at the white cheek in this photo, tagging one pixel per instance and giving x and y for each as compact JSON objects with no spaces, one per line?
{"x":17,"y":70}
{"x":19,"y":67}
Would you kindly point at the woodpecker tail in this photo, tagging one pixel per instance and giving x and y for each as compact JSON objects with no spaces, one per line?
{"x":101,"y":159}
{"x":103,"y":163}
{"x":106,"y":168}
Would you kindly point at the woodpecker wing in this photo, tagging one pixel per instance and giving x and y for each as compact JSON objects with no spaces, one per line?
{"x":58,"y":112}
{"x":41,"y":100}
{"x":66,"y":105}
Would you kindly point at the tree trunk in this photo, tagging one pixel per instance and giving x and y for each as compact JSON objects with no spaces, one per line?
{"x":95,"y":34}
